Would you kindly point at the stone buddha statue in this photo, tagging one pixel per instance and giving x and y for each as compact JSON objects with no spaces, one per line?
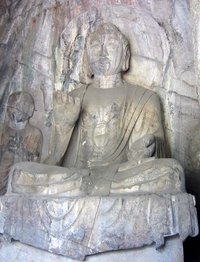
{"x":19,"y":140}
{"x":108,"y":136}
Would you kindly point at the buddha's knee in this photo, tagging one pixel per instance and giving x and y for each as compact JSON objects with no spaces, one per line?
{"x":173,"y":178}
{"x":15,"y":174}
{"x":168,"y":177}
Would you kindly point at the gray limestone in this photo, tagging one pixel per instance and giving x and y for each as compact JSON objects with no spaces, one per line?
{"x":18,"y":252}
{"x":162,"y":56}
{"x":79,"y":227}
{"x":112,"y":192}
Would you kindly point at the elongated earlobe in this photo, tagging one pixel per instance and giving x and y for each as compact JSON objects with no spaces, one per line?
{"x":87,"y":70}
{"x":127,"y":56}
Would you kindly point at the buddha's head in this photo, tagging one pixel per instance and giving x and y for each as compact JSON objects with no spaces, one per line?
{"x":20,"y":107}
{"x":108,"y":51}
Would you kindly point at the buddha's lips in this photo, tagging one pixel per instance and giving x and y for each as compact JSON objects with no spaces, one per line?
{"x":101,"y":59}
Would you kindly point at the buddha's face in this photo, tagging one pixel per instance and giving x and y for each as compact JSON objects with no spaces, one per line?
{"x":105,"y":53}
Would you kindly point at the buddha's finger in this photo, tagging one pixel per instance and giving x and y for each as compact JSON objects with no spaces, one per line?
{"x":71,"y":100}
{"x":64,"y":97}
{"x":77,"y":100}
{"x":150,"y":150}
{"x":149,"y":140}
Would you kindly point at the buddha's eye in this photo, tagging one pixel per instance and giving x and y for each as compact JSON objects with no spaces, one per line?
{"x":95,"y":45}
{"x":112,"y":42}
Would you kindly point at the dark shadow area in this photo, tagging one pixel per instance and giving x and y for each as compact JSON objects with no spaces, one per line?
{"x":192,"y":247}
{"x":192,"y":244}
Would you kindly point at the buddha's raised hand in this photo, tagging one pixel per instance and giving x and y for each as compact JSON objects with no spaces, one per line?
{"x":66,"y":108}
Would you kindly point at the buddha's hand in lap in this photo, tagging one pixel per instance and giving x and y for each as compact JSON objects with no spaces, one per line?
{"x":141,"y":151}
{"x":143,"y":147}
{"x":66,"y":108}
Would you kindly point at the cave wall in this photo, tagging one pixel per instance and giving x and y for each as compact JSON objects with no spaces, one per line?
{"x":42,"y":50}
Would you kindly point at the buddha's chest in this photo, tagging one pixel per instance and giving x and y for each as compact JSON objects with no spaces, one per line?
{"x":101,"y":125}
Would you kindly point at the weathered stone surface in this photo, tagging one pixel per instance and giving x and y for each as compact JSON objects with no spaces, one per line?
{"x":195,"y":14}
{"x":150,"y":176}
{"x":162,"y":55}
{"x":18,"y":252}
{"x":195,"y":144}
{"x":109,"y":132}
{"x":80,"y":227}
{"x":19,"y":141}
{"x":48,"y":42}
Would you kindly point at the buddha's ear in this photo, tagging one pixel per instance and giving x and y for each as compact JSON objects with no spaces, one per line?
{"x":127,"y":55}
{"x":87,"y":72}
{"x":87,"y":65}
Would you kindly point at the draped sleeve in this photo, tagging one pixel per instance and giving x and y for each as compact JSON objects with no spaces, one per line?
{"x":149,"y":122}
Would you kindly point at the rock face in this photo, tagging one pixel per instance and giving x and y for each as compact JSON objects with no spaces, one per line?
{"x":195,"y":13}
{"x":19,"y":252}
{"x":107,"y":138}
{"x":41,"y":49}
{"x":195,"y":144}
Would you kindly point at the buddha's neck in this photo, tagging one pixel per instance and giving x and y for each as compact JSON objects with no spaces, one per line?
{"x":17,"y":126}
{"x":111,"y":81}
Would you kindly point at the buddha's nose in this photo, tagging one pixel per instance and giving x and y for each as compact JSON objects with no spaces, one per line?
{"x":104,"y":51}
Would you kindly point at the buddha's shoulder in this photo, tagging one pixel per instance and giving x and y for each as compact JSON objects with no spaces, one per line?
{"x":138,"y":91}
{"x":131,"y":88}
{"x":78,"y":92}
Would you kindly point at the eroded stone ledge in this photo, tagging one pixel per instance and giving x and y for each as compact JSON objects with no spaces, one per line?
{"x":79,"y":227}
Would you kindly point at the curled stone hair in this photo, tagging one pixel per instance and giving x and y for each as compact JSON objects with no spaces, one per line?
{"x":110,"y":29}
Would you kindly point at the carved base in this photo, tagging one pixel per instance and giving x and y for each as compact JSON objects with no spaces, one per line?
{"x":172,"y":251}
{"x":86,"y":226}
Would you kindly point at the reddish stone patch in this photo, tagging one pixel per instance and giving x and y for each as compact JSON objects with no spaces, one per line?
{"x":3,"y":4}
{"x":33,"y":21}
{"x":77,"y":7}
{"x":121,"y":2}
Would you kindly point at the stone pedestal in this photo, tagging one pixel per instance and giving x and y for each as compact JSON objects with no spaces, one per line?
{"x":172,"y":251}
{"x":97,"y":228}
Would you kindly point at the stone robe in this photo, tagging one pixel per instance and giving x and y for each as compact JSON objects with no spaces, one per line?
{"x":103,"y":152}
{"x":125,"y":118}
